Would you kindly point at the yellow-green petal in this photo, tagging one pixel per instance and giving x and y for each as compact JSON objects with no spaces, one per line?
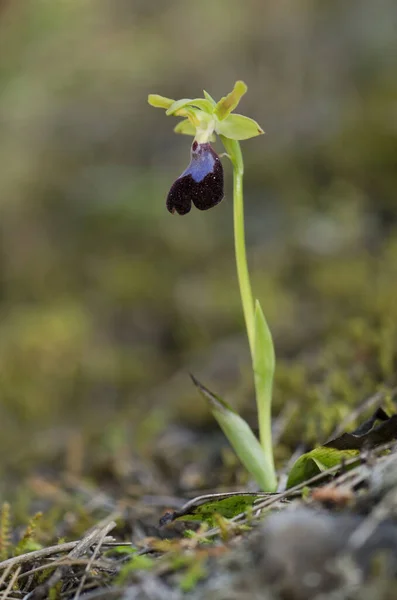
{"x":231,"y":101}
{"x":209,"y":98}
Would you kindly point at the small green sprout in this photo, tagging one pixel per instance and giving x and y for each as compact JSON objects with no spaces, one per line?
{"x":202,"y":184}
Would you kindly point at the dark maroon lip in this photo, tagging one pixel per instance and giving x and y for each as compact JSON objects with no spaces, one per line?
{"x":201,"y":183}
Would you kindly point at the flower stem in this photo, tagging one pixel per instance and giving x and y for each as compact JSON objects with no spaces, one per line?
{"x":234,"y":151}
{"x":257,"y":330}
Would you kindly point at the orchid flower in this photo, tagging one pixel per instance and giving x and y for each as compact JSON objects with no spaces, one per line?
{"x":202,"y":181}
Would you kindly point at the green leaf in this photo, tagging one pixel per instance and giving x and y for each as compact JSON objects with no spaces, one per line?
{"x":231,"y":101}
{"x":346,"y":446}
{"x":238,"y":127}
{"x":264,"y":364}
{"x":241,"y":438}
{"x":316,"y":461}
{"x":159,"y":101}
{"x":203,"y":508}
{"x":226,"y":507}
{"x":265,"y":359}
{"x":200,"y":103}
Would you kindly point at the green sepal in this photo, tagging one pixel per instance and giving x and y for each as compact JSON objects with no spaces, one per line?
{"x":238,"y":127}
{"x":241,"y":438}
{"x":200,"y":103}
{"x":185,"y":127}
{"x":230,"y":102}
{"x":159,"y":101}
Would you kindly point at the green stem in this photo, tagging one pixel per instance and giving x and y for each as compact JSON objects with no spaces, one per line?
{"x":234,"y":151}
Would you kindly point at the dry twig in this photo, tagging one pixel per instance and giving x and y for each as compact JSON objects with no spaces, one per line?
{"x":42,"y":553}
{"x":10,"y":584}
{"x":91,"y":539}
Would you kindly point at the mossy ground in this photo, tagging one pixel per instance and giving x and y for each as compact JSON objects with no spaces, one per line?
{"x":336,"y":347}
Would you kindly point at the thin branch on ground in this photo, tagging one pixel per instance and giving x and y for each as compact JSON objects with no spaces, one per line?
{"x":91,"y":539}
{"x":42,"y":553}
{"x":104,"y":533}
{"x":11,"y":584}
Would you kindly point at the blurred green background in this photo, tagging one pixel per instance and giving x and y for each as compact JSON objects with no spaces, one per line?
{"x":107,"y":301}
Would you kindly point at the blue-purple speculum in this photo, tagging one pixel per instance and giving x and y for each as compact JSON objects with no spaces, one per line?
{"x":201,"y":183}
